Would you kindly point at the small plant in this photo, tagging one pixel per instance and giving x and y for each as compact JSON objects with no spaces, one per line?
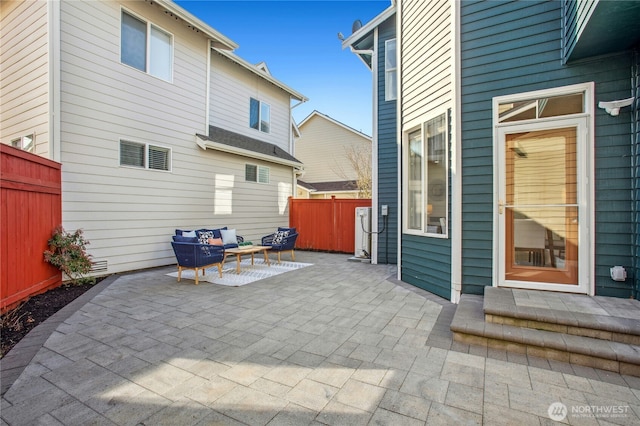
{"x":67,"y":252}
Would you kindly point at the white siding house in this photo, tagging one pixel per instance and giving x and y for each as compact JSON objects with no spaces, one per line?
{"x":25,"y":75}
{"x":133,"y":168}
{"x":325,"y":146}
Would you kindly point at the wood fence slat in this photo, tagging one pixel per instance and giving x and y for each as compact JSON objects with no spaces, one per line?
{"x":30,"y":208}
{"x":325,"y":224}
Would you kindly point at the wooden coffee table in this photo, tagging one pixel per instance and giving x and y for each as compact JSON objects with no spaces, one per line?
{"x":252,"y":250}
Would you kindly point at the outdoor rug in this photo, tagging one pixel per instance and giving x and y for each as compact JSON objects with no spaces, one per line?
{"x":248,"y":274}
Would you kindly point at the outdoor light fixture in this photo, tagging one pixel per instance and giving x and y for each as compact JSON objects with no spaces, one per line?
{"x":613,"y":107}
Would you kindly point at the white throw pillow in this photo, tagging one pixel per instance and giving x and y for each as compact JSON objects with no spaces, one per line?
{"x":191,"y":234}
{"x":229,"y":236}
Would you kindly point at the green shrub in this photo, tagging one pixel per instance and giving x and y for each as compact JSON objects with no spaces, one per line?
{"x":67,"y":252}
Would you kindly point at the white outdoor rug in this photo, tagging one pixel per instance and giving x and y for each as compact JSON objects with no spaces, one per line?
{"x":248,"y":274}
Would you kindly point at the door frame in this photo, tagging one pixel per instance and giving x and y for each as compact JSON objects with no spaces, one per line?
{"x":584,"y":122}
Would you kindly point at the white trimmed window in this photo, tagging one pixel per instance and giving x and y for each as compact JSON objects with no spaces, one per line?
{"x":426,"y":206}
{"x":390,"y":71}
{"x":254,"y":173}
{"x":146,"y":47}
{"x":147,"y":156}
{"x":25,"y":143}
{"x":259,"y":115}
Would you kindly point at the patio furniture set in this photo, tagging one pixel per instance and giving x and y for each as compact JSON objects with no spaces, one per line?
{"x":206,"y":248}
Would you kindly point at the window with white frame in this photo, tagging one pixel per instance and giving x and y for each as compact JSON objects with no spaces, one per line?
{"x":146,"y":47}
{"x":25,"y":143}
{"x":255,"y":173}
{"x":426,"y":177}
{"x":390,"y":71}
{"x":147,"y":156}
{"x":259,"y":115}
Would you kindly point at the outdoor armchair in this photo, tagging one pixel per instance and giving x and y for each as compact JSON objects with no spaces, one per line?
{"x":284,"y":239}
{"x":198,"y":256}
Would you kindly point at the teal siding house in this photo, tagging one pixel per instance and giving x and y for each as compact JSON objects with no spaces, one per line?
{"x":549,"y":194}
{"x":516,"y":160}
{"x":375,"y":45}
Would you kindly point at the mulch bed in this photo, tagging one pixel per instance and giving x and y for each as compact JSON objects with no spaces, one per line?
{"x":18,"y":322}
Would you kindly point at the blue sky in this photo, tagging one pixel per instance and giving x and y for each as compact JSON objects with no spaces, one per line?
{"x":298,"y":41}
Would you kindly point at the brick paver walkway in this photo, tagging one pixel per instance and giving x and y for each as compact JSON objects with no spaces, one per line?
{"x":336,"y":343}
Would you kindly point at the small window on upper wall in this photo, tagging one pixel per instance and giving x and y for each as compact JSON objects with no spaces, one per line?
{"x":259,"y":115}
{"x":146,"y":47}
{"x":390,"y":71}
{"x":135,"y":154}
{"x":25,"y":143}
{"x":254,"y":173}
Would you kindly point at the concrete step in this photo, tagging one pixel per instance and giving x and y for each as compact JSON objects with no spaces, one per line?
{"x":469,"y":326}
{"x":603,"y":318}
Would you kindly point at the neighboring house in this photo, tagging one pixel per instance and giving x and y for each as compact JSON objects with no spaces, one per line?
{"x":510,"y":173}
{"x":157,"y":124}
{"x":328,"y":149}
{"x":375,"y":45}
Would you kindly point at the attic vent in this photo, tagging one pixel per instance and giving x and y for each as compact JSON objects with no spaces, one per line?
{"x":99,"y":266}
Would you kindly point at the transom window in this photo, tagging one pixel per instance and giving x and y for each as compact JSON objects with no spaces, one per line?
{"x":146,"y":47}
{"x":426,"y":177}
{"x":135,"y":154}
{"x":259,"y":115}
{"x":390,"y":71}
{"x":254,"y":173}
{"x":531,"y":109}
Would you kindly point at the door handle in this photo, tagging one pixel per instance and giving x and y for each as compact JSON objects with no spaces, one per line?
{"x":500,"y":206}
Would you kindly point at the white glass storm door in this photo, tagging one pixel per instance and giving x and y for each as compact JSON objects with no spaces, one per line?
{"x":543,"y":206}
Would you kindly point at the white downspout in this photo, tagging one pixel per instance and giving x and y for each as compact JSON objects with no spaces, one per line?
{"x":207,"y":107}
{"x":374,"y":152}
{"x":55,"y":149}
{"x":456,"y":166}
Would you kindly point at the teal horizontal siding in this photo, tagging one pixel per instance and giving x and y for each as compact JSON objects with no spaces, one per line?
{"x":426,"y":264}
{"x":387,"y":155}
{"x":515,"y":47}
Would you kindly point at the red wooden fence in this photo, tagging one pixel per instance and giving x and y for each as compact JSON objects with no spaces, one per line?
{"x":325,"y":224}
{"x":30,"y":209}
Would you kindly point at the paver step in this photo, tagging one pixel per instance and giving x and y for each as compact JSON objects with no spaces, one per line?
{"x":499,"y":308}
{"x":469,"y":326}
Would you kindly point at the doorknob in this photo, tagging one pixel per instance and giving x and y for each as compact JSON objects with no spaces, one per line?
{"x":500,"y":206}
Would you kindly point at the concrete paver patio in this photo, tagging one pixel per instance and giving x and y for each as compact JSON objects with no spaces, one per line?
{"x":335,"y":343}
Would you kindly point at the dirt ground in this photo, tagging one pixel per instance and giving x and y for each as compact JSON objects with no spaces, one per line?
{"x":16,"y":323}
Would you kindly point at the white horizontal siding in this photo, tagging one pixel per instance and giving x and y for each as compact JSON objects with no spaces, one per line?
{"x":231,"y":88}
{"x":129,"y":214}
{"x":24,"y":73}
{"x":426,"y":58}
{"x":323,"y":149}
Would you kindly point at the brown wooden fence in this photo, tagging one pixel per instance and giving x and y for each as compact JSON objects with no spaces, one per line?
{"x":325,"y":224}
{"x":30,"y":209}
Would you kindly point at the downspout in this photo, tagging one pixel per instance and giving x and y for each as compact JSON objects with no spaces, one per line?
{"x":456,"y":167}
{"x":55,"y":149}
{"x":207,"y":107}
{"x":374,"y":151}
{"x":294,"y":172}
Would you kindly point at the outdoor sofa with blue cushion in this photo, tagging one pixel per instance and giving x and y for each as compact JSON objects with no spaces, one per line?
{"x":203,"y":236}
{"x":284,"y":239}
{"x":203,"y":248}
{"x":196,"y":256}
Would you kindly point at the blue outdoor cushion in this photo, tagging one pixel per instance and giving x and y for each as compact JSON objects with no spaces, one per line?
{"x":182,"y":239}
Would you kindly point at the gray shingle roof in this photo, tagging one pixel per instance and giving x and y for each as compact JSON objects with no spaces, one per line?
{"x":236,"y":140}
{"x":342,"y":185}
